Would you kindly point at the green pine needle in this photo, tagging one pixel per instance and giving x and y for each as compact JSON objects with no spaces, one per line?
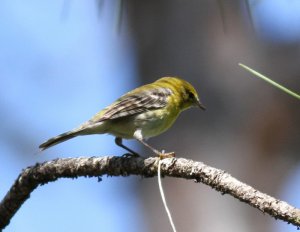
{"x":270,"y":81}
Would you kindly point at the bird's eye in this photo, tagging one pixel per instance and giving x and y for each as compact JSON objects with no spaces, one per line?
{"x":191,"y":95}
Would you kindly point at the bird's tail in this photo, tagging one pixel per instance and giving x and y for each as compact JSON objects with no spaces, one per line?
{"x":59,"y":139}
{"x":86,"y":128}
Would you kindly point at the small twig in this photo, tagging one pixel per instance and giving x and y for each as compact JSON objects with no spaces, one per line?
{"x":249,"y":12}
{"x":119,"y":15}
{"x":275,"y":84}
{"x":222,"y":14}
{"x":50,"y":171}
{"x":161,"y":190}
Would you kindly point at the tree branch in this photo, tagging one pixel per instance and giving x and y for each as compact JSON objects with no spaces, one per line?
{"x":40,"y":174}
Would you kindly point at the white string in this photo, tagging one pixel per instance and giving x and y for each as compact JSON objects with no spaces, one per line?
{"x":161,"y":190}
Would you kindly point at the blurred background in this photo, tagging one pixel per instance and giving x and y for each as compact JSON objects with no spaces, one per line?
{"x":62,"y":61}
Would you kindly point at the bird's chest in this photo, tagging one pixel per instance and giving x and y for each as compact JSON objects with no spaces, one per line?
{"x":155,"y":122}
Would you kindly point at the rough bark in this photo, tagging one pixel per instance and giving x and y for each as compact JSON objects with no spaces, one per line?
{"x":40,"y":174}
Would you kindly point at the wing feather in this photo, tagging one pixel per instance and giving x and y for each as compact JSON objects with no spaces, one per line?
{"x":131,"y":104}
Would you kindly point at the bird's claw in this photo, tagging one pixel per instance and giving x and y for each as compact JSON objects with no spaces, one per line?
{"x":130,"y":155}
{"x":164,"y":155}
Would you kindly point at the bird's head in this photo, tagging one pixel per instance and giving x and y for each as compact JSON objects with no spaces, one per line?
{"x":190,"y":96}
{"x":186,"y":92}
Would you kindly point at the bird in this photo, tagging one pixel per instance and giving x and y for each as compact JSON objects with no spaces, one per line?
{"x":142,"y":113}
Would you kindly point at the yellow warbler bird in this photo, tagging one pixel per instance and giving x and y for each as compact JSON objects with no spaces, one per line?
{"x":142,"y":113}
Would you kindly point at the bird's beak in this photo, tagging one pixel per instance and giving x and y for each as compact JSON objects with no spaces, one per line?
{"x":200,"y":105}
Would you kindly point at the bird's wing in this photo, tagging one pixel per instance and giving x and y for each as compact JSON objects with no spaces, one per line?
{"x":135,"y":103}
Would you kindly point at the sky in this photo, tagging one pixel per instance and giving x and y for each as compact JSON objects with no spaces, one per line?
{"x":61,"y":62}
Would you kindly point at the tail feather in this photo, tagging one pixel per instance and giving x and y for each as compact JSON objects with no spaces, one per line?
{"x":84,"y":129}
{"x":58,"y":139}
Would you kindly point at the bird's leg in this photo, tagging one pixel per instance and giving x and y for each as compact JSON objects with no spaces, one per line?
{"x":118,"y":141}
{"x":161,"y":155}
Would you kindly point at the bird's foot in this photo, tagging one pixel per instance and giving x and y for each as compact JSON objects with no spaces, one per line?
{"x":164,"y":155}
{"x":130,"y":155}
